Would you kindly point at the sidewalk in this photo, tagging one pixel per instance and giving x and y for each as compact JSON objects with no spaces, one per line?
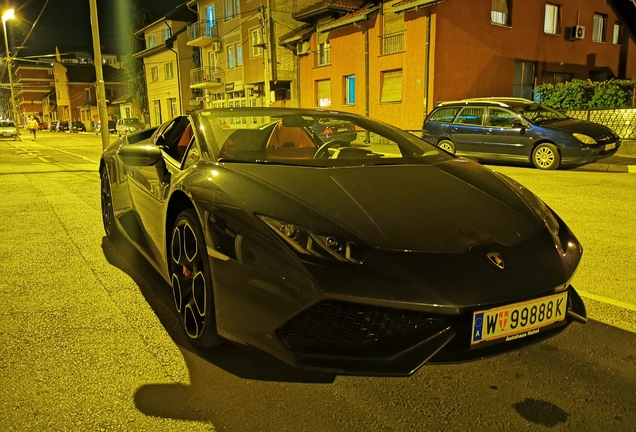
{"x":623,"y":161}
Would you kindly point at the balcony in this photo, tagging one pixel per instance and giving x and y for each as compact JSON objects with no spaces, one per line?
{"x":202,"y":33}
{"x":207,"y":77}
{"x":392,"y":43}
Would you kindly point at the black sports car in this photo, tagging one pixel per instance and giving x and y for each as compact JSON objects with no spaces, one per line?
{"x":372,"y":256}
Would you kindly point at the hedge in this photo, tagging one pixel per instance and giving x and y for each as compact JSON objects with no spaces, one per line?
{"x":580,"y":94}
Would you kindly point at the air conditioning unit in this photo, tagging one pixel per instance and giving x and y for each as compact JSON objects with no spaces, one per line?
{"x":577,"y":32}
{"x":303,"y":48}
{"x":216,"y":47}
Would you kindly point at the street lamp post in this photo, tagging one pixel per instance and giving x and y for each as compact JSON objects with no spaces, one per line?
{"x":7,"y":16}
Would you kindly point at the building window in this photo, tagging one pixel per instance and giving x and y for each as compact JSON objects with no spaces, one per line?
{"x":350,"y":90}
{"x":616,"y":34}
{"x":323,"y":93}
{"x":213,"y":59}
{"x":323,"y":56}
{"x":165,"y":33}
{"x":210,"y":17}
{"x":151,"y":41}
{"x":87,"y":95}
{"x":391,"y":82}
{"x":500,"y":12}
{"x":552,"y":18}
{"x":154,"y":73}
{"x":256,"y":42}
{"x":169,"y":70}
{"x":157,"y":109}
{"x":239,"y":55}
{"x":172,"y":107}
{"x":232,"y":9}
{"x":392,"y":30}
{"x":598,"y":28}
{"x":230,"y":57}
{"x":523,"y":80}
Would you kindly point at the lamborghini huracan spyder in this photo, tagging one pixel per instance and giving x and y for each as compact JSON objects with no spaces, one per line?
{"x":371,"y":255}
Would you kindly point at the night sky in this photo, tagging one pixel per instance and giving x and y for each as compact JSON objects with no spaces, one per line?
{"x":66,"y":24}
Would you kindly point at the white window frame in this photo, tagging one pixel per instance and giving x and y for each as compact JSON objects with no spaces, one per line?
{"x":616,"y":33}
{"x":598,"y":28}
{"x":151,"y":41}
{"x":256,"y":38}
{"x":386,"y":95}
{"x":551,"y":22}
{"x":165,"y":33}
{"x":231,"y":64}
{"x":169,"y":70}
{"x":497,"y":16}
{"x":154,"y":74}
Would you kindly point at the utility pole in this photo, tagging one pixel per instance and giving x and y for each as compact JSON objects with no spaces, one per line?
{"x":16,"y":115}
{"x":264,"y":18}
{"x":99,"y":73}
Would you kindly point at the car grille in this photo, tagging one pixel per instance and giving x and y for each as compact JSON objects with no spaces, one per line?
{"x":336,"y":328}
{"x":606,"y":139}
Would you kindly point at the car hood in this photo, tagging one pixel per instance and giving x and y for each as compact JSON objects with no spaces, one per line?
{"x":447,"y":207}
{"x":594,"y":130}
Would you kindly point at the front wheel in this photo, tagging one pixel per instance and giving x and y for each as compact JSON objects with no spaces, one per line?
{"x":447,"y":146}
{"x":191,"y":278}
{"x":108,"y":214}
{"x":546,"y":157}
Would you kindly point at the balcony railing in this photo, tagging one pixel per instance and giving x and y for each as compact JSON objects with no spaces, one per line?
{"x":393,"y":43}
{"x":203,"y":32}
{"x":208,"y":76}
{"x":322,"y":56}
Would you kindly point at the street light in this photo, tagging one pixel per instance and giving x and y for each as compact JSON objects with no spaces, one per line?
{"x":7,"y":16}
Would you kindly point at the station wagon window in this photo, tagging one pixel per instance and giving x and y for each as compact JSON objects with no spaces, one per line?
{"x":471,"y":116}
{"x":444,"y":115}
{"x":500,"y":118}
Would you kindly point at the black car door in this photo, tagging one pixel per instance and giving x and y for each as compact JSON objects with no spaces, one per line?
{"x":150,"y":187}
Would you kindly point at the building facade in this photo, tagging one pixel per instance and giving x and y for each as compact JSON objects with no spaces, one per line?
{"x":395,"y":60}
{"x":167,"y":63}
{"x":32,"y":82}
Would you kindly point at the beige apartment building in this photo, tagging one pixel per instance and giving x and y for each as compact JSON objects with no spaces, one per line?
{"x":167,"y":63}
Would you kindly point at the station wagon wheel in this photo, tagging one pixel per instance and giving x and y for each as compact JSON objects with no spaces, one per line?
{"x":108,"y":214}
{"x":191,"y":280}
{"x":447,"y":145}
{"x":546,"y":157}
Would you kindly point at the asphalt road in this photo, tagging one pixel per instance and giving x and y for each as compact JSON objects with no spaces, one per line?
{"x":89,"y":340}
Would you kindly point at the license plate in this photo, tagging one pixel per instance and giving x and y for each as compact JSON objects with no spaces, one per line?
{"x":610,"y":146}
{"x":518,"y":320}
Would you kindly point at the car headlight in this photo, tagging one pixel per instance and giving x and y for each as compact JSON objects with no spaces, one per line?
{"x":314,"y":244}
{"x":585,"y":139}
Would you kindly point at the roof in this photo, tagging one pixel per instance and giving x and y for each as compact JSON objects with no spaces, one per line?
{"x":85,"y":73}
{"x":350,"y":18}
{"x":327,"y":6}
{"x":302,"y":33}
{"x":405,"y":5}
{"x":180,"y":13}
{"x":500,"y":101}
{"x":122,"y":99}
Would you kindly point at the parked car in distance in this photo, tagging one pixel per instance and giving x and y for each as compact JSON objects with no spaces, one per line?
{"x":8,"y":129}
{"x":112,"y":127}
{"x":42,"y":126}
{"x":62,"y":126}
{"x":76,"y":126}
{"x":129,"y":125}
{"x":53,"y":126}
{"x":517,"y":130}
{"x":328,"y":130}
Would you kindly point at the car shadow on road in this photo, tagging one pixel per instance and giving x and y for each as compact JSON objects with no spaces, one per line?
{"x":234,"y":359}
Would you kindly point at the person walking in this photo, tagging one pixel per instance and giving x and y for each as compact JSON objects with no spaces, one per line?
{"x":33,"y":127}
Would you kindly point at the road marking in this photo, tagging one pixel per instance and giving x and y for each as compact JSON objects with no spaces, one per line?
{"x":43,"y":159}
{"x":607,"y":300}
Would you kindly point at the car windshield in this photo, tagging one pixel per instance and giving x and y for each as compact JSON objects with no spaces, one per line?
{"x":309,"y":138}
{"x":130,"y":122}
{"x":537,"y":113}
{"x":6,"y":124}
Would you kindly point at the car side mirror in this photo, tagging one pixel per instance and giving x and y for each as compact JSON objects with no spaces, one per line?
{"x":140,"y":154}
{"x":517,"y":124}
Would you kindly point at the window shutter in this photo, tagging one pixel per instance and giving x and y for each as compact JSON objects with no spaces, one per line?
{"x":500,"y":6}
{"x":391,"y":86}
{"x":393,"y":23}
{"x":323,"y":93}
